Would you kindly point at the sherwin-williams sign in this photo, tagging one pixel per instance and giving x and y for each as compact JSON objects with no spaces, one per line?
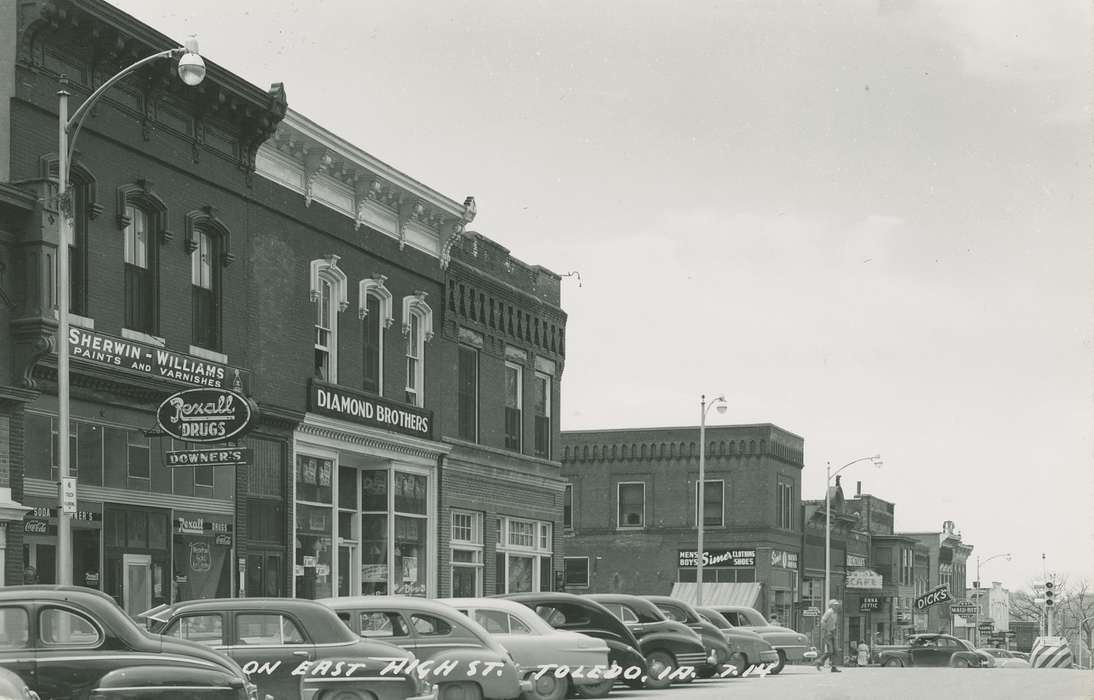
{"x":117,"y":353}
{"x":368,"y":409}
{"x":204,"y":415}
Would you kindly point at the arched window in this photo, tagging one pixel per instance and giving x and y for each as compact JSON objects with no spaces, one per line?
{"x":417,"y":330}
{"x":208,"y":242}
{"x":328,"y":292}
{"x":374,"y":310}
{"x":82,"y":191}
{"x":141,"y":215}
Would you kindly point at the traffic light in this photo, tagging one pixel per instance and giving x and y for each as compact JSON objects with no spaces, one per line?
{"x":1050,"y":593}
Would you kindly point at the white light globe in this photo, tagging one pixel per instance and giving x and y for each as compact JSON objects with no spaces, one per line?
{"x":191,"y":69}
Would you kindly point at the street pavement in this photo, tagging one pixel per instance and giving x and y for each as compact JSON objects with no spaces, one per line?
{"x":874,"y":683}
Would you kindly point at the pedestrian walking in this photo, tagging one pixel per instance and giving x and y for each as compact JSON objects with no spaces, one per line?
{"x":829,"y":623}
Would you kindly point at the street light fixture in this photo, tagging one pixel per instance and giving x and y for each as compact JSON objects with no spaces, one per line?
{"x":976,"y":593}
{"x":720,"y":402}
{"x":191,"y":70}
{"x":876,"y":459}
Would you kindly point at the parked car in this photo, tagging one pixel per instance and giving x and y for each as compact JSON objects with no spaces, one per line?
{"x":746,"y":646}
{"x":70,"y":641}
{"x":574,"y":613}
{"x":438,"y":634}
{"x":936,"y":650}
{"x":667,"y":645}
{"x":1005,"y":659}
{"x":293,"y":647}
{"x":718,"y":650}
{"x":542,"y":652}
{"x":790,"y":645}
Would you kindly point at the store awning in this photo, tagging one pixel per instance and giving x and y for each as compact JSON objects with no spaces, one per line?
{"x":743,"y":594}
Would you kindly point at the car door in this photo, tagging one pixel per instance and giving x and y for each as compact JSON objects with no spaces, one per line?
{"x":17,"y":653}
{"x":927,"y":653}
{"x":384,"y":624}
{"x":269,"y":646}
{"x":434,"y":635}
{"x":205,"y":628}
{"x":72,"y":652}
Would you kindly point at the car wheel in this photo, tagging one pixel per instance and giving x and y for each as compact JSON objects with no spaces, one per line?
{"x":740,"y":662}
{"x":345,"y":695}
{"x":960,"y":663}
{"x":459,"y":691}
{"x":774,"y":670}
{"x":660,"y":665}
{"x":594,"y":690}
{"x":892,"y":663}
{"x":547,"y":687}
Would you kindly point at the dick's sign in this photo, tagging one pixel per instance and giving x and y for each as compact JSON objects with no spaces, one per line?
{"x":938,"y":594}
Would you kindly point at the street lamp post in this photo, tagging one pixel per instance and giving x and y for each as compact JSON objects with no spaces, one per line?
{"x":976,"y":593}
{"x":876,"y":459}
{"x":191,"y":69}
{"x":720,"y":402}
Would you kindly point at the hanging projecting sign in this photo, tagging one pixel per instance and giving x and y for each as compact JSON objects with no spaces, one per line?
{"x":204,"y":415}
{"x":938,"y":594}
{"x":864,"y":578}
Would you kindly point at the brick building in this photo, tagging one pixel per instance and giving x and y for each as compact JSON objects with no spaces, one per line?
{"x":946,"y":557}
{"x":219,"y":232}
{"x":631,"y":509}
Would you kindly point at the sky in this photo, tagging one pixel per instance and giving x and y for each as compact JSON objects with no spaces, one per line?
{"x":867,"y":222}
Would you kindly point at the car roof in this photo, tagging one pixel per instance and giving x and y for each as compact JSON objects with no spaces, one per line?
{"x":487,"y":604}
{"x":403,"y":602}
{"x":51,"y":592}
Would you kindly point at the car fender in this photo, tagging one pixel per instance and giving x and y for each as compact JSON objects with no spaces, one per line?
{"x":675,"y":643}
{"x":470,"y":665}
{"x":167,"y":681}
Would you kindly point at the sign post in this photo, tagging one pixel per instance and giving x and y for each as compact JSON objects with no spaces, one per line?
{"x":68,"y":495}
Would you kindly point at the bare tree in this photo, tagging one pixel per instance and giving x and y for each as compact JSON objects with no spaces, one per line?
{"x":1073,"y":612}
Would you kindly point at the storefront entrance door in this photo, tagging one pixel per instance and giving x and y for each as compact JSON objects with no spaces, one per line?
{"x":137,"y":589}
{"x":347,"y":565}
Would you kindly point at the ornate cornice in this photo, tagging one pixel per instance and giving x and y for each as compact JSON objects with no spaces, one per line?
{"x":369,"y":440}
{"x":108,"y":40}
{"x":369,"y":190}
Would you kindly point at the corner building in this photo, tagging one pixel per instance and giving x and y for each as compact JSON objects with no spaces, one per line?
{"x":632,"y":509}
{"x":224,"y":238}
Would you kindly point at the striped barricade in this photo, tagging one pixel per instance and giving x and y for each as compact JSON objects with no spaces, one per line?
{"x":1050,"y":652}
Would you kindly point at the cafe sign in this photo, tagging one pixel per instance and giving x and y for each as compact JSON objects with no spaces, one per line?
{"x":864,"y":578}
{"x":204,"y":415}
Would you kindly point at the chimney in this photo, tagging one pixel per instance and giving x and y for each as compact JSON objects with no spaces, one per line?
{"x":858,"y":489}
{"x":837,"y":481}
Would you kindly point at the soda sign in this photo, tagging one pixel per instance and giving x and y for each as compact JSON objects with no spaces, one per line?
{"x":940,"y":594}
{"x":204,"y":415}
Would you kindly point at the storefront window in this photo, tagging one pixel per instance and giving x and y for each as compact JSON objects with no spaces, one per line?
{"x":313,"y":551}
{"x":410,"y":552}
{"x":523,"y":559}
{"x":374,"y":562}
{"x":202,"y":557}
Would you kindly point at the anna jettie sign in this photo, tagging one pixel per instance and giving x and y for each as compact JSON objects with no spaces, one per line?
{"x":204,"y":415}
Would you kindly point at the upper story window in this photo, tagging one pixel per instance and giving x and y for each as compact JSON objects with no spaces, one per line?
{"x":568,"y":507}
{"x":374,"y":310}
{"x":784,"y":511}
{"x":205,"y":291}
{"x":713,"y":503}
{"x":467,"y":393}
{"x":631,"y":497}
{"x":208,"y":242}
{"x":140,"y":273}
{"x":542,"y":408}
{"x":514,"y":406}
{"x":417,"y":330}
{"x":327,"y":285}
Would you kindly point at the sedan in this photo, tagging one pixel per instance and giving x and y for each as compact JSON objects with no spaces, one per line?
{"x":294,"y":648}
{"x":936,"y":650}
{"x":1005,"y":659}
{"x":455,"y":652}
{"x":718,"y":651}
{"x":790,"y":645}
{"x":70,"y":641}
{"x":746,"y":646}
{"x":667,"y":645}
{"x":552,"y":659}
{"x":574,"y":613}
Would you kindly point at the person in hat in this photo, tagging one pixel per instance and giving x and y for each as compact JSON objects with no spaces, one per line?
{"x":829,"y":623}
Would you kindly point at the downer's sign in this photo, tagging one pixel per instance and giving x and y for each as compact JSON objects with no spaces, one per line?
{"x":940,"y":594}
{"x":370,"y":410}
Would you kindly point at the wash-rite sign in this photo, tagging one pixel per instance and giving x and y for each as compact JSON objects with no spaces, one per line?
{"x":370,"y":410}
{"x":117,"y":353}
{"x":717,"y":558}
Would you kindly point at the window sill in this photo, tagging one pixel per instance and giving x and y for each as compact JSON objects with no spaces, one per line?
{"x":140,"y":337}
{"x":81,"y":321}
{"x":636,"y":528}
{"x":211,"y":355}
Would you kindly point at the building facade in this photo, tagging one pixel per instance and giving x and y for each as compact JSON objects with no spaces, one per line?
{"x":945,"y":560}
{"x":993,"y":605}
{"x":631,"y":513}
{"x":223,"y":240}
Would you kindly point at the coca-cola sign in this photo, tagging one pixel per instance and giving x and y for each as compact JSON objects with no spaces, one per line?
{"x":204,"y":415}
